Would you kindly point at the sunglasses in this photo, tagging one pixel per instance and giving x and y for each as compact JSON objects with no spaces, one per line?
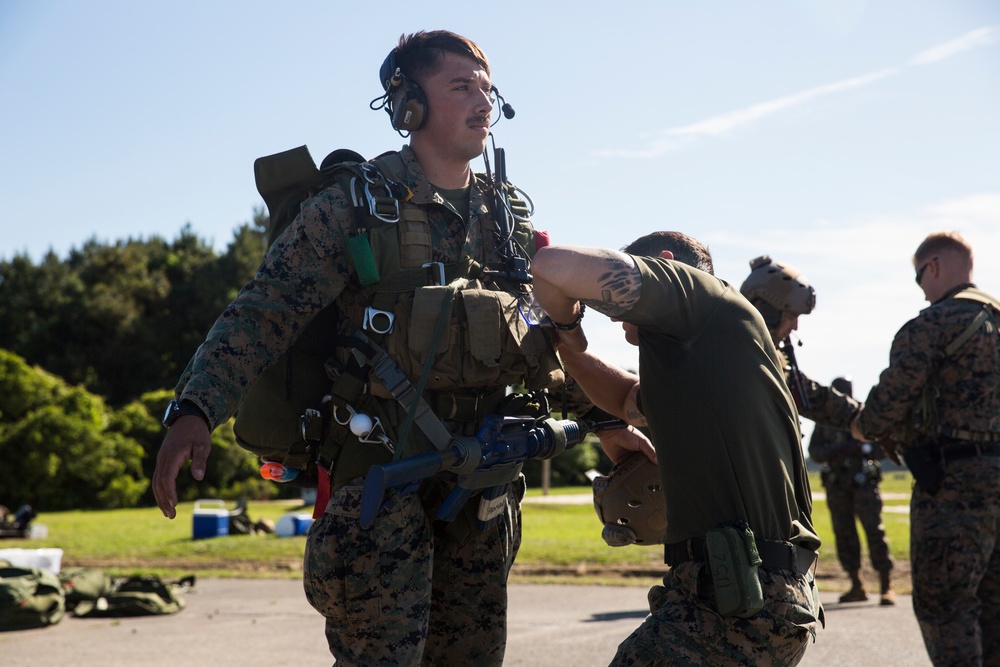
{"x":920,"y":271}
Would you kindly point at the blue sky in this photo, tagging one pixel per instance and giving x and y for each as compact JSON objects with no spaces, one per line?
{"x":832,"y":135}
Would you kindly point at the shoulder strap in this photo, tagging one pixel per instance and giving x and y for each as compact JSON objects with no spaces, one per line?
{"x":973,"y":294}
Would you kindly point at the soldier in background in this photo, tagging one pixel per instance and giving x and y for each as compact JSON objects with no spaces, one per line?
{"x":781,"y":294}
{"x":940,"y":399}
{"x":851,"y":475}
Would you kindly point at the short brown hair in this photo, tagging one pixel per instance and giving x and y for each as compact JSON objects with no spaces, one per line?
{"x":685,"y":249}
{"x":939,"y":242}
{"x":419,"y":54}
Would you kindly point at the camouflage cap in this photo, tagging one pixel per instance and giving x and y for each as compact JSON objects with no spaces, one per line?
{"x":781,"y":286}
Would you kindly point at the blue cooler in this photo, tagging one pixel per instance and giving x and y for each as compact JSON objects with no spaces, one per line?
{"x":211,"y":519}
{"x":293,"y":524}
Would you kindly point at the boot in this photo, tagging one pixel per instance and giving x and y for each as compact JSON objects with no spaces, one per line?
{"x":888,"y":595}
{"x":857,"y":592}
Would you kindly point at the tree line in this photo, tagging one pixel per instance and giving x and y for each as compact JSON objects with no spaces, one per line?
{"x":90,"y":348}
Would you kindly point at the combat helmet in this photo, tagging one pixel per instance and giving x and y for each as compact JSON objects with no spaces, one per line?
{"x":778,"y":287}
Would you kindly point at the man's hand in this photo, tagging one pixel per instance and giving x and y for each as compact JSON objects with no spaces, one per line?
{"x":620,"y":442}
{"x":187,"y":440}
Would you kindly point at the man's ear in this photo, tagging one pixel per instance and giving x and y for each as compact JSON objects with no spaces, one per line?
{"x":666,"y":254}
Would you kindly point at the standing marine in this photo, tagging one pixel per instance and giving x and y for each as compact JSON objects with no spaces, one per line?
{"x":939,"y":400}
{"x":413,"y":267}
{"x":781,"y":294}
{"x":851,"y":475}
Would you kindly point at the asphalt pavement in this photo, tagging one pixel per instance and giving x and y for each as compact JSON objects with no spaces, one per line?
{"x":267,"y":622}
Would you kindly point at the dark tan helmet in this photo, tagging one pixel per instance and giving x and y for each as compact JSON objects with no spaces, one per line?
{"x":781,"y":286}
{"x":629,"y":502}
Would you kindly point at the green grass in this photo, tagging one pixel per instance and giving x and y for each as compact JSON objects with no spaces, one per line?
{"x":559,"y":542}
{"x":142,"y":540}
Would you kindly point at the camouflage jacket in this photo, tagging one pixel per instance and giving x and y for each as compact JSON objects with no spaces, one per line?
{"x":967,"y":382}
{"x":826,"y":405}
{"x":306,"y":269}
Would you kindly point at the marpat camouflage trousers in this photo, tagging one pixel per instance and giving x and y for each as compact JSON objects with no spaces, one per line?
{"x":847,"y":501}
{"x":684,"y":628}
{"x":955,"y":561}
{"x":404,"y":592}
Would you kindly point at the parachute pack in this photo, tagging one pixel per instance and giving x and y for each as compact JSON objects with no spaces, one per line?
{"x":32,"y":597}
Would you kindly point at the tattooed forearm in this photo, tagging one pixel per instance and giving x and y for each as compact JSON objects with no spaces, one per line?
{"x":636,"y":418}
{"x":620,"y":287}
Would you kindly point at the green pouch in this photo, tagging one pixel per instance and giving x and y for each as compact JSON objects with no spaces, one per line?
{"x":360,"y":250}
{"x":733,"y":561}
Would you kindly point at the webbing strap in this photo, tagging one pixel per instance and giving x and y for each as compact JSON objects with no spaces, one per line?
{"x":396,"y":382}
{"x":969,"y":330}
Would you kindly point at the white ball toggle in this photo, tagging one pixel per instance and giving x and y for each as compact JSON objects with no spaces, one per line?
{"x":361,"y":424}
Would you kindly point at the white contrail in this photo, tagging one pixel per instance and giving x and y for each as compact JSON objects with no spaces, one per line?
{"x":663,"y":141}
{"x":967,"y":42}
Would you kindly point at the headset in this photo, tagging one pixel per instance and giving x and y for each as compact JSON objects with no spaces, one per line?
{"x":405,"y":102}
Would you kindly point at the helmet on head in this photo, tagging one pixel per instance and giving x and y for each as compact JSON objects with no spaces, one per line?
{"x":843,"y":385}
{"x":774,"y":288}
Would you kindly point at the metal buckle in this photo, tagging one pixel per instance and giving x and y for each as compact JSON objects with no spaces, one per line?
{"x":373,"y":177}
{"x":440,"y":270}
{"x":379,"y":321}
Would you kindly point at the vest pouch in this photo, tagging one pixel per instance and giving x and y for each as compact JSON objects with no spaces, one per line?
{"x":733,"y":561}
{"x":493,"y":334}
{"x":429,"y":305}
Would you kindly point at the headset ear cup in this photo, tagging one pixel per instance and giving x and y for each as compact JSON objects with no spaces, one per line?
{"x":410,"y":108}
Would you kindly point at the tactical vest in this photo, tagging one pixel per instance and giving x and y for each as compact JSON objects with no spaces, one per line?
{"x":924,"y":417}
{"x":301,"y":409}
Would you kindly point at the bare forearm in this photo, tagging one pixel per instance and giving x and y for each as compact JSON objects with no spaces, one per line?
{"x":609,"y":387}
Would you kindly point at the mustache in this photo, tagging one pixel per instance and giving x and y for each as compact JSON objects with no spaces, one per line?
{"x":479,"y":119}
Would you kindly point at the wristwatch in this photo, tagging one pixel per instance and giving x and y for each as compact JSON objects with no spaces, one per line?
{"x":177,"y":409}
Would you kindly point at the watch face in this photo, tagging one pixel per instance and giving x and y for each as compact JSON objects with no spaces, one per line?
{"x":172,"y":409}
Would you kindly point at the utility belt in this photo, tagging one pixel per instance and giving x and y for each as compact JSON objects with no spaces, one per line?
{"x":774,"y":555}
{"x":926,"y":461}
{"x":951,"y":450}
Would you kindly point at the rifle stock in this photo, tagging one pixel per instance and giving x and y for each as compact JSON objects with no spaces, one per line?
{"x":490,"y":460}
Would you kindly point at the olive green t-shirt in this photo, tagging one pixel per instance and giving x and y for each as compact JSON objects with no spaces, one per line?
{"x":720,"y":415}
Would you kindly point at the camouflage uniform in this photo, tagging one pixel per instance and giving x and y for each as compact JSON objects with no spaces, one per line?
{"x":826,"y":405}
{"x":408,"y":590}
{"x":851,"y":481}
{"x":954,"y":532}
{"x":684,"y":627}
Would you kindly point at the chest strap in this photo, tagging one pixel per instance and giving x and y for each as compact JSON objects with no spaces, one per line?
{"x":400,"y":387}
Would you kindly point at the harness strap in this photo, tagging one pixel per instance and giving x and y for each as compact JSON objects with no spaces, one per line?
{"x":396,"y":382}
{"x":969,"y":331}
